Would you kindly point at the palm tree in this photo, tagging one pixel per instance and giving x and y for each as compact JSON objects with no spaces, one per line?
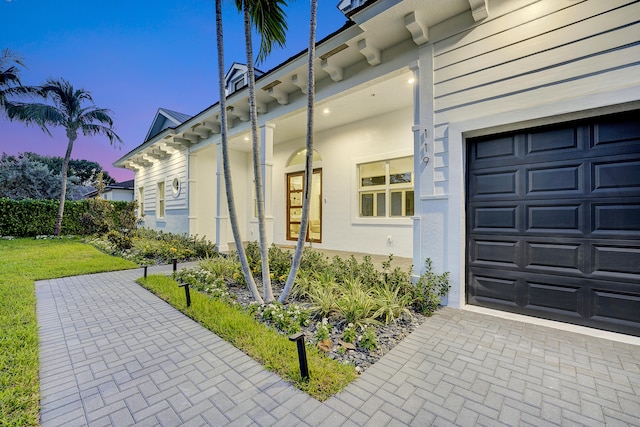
{"x":67,"y":111}
{"x":308,"y":169}
{"x":233,"y":216}
{"x":10,"y":84}
{"x":269,"y":19}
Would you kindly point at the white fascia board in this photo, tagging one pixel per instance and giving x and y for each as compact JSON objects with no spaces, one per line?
{"x":158,"y":138}
{"x":373,"y":10}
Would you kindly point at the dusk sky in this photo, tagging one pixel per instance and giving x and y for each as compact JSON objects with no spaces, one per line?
{"x":134,"y":57}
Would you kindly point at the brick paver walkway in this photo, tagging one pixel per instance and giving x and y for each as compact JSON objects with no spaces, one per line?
{"x":113,"y":354}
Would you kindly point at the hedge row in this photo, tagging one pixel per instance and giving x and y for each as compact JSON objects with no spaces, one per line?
{"x":29,"y":218}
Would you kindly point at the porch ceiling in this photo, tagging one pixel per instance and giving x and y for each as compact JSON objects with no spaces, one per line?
{"x":376,"y":98}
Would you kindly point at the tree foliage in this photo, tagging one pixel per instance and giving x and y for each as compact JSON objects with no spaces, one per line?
{"x":70,"y":108}
{"x":86,"y":171}
{"x":10,"y":67}
{"x":22,"y":177}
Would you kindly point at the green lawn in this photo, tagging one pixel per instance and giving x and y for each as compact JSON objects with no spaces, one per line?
{"x":23,"y":261}
{"x":274,"y":351}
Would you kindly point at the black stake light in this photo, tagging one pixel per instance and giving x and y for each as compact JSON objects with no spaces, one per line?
{"x":187,"y":294}
{"x":302,"y":354}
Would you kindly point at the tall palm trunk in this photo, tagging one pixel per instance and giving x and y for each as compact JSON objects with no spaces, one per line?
{"x":308,"y":166}
{"x":257,"y":163}
{"x":63,"y":189}
{"x":233,"y":217}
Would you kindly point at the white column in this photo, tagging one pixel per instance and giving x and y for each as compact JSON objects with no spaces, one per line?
{"x":223,"y":227}
{"x":266,"y":158}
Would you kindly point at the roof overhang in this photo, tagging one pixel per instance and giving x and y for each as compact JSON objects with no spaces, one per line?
{"x":351,"y":69}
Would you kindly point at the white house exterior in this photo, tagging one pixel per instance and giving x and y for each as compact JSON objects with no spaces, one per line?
{"x":520,"y":182}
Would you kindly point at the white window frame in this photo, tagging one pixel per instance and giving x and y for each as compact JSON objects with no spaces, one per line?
{"x":385,"y":188}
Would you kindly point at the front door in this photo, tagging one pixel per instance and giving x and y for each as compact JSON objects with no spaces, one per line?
{"x":295,"y":187}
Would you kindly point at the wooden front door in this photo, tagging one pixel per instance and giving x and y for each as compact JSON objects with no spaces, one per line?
{"x":295,"y":187}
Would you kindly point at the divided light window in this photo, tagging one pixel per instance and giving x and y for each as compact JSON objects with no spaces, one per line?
{"x":160,"y":201}
{"x":385,"y":188}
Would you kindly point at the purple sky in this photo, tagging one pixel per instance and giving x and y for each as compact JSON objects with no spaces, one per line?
{"x":134,"y":57}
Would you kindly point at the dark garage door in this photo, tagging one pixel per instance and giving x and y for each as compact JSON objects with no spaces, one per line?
{"x":553,"y":222}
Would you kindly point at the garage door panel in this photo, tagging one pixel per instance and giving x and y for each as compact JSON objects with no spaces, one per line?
{"x":499,"y":183}
{"x":503,"y":148}
{"x":554,"y":140}
{"x":616,"y":262}
{"x":568,"y":218}
{"x":558,"y":257}
{"x":620,"y":307}
{"x":611,"y":178}
{"x":560,"y":180}
{"x":618,"y":219}
{"x":618,"y":129}
{"x":553,"y":222}
{"x":555,"y":297}
{"x":494,"y":253}
{"x":496,"y":219}
{"x":500,"y":291}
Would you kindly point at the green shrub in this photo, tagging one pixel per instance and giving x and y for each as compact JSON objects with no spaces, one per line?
{"x":368,"y":339}
{"x":204,"y":281}
{"x":391,"y":302}
{"x":287,"y":319}
{"x":99,"y":218}
{"x":349,"y":333}
{"x":323,"y":330}
{"x":313,"y":261}
{"x":223,"y":267}
{"x":30,"y":218}
{"x":279,"y":263}
{"x":430,"y":289}
{"x":323,"y":298}
{"x":356,"y":304}
{"x":120,"y":240}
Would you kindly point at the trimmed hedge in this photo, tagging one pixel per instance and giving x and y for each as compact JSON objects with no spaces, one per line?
{"x":29,"y":217}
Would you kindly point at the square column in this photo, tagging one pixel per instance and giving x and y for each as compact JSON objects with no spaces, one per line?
{"x":266,"y":159}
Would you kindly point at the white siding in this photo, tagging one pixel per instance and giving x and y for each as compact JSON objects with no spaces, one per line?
{"x":532,"y":64}
{"x":175,"y":166}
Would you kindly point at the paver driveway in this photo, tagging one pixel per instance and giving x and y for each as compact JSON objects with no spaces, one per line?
{"x":114,"y":354}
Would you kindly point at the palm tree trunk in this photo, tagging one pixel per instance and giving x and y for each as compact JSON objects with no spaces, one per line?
{"x":63,"y":189}
{"x":308,"y":166}
{"x":257,"y":167}
{"x":233,"y":217}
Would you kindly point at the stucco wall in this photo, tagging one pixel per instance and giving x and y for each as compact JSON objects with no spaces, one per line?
{"x":342,"y":149}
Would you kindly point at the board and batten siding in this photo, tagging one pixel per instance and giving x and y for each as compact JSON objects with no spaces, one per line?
{"x":174,"y":166}
{"x":529,"y":63}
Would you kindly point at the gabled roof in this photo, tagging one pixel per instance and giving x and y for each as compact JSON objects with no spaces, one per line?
{"x":164,"y":119}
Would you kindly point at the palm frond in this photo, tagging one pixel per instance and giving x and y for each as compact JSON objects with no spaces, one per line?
{"x":89,"y":129}
{"x":101,"y":115}
{"x":270,"y":20}
{"x":38,"y":114}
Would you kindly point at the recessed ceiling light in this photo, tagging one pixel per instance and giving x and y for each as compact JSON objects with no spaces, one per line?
{"x":326,"y":111}
{"x":246,"y":138}
{"x":411,"y":80}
